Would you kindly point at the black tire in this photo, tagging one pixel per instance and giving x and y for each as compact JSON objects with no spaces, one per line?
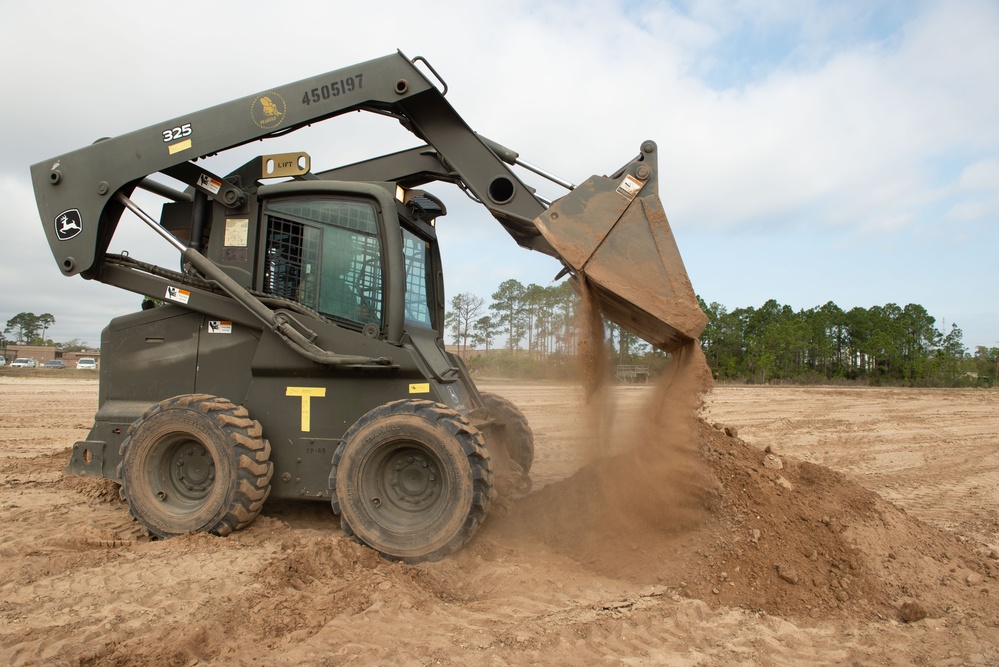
{"x":519,"y":440}
{"x":195,"y":463}
{"x":412,"y":479}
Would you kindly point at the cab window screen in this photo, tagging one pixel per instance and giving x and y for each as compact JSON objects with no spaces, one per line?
{"x":418,"y":279}
{"x":292,"y":260}
{"x":340,"y":274}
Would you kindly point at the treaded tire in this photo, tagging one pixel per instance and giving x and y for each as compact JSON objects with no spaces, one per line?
{"x":195,"y":463}
{"x":520,"y":438}
{"x":412,"y":479}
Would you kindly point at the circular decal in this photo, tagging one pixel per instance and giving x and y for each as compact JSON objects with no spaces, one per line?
{"x":268,"y":110}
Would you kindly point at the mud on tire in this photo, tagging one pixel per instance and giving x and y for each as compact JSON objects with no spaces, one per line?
{"x":412,"y":479}
{"x":195,"y":463}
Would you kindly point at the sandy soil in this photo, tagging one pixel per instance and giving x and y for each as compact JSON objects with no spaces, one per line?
{"x":873,"y":543}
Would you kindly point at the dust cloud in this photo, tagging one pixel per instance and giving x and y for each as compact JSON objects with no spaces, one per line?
{"x":642,"y":480}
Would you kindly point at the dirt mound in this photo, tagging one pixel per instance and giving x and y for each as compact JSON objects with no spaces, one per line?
{"x":778,"y":535}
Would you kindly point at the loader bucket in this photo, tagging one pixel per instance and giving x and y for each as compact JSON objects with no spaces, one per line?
{"x":613,"y":232}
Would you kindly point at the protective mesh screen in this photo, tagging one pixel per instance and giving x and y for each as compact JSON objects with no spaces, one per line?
{"x":334,"y":266}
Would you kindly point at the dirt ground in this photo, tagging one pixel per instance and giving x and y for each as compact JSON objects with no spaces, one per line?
{"x":868,"y":534}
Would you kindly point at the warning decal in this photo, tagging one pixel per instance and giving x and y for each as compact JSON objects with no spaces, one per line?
{"x":629,"y":187}
{"x":177,"y":294}
{"x":219,"y":327}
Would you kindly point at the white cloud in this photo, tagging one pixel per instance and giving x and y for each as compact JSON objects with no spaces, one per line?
{"x":982,"y":175}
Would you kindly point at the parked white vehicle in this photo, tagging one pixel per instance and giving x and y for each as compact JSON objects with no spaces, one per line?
{"x":87,"y":363}
{"x":23,"y":362}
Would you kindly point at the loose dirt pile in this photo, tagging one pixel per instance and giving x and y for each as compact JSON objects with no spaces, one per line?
{"x":796,"y":541}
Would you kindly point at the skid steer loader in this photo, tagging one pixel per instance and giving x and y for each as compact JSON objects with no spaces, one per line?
{"x":298,"y":348}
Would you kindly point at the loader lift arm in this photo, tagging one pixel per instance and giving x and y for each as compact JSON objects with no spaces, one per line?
{"x":88,"y":179}
{"x":612,"y":230}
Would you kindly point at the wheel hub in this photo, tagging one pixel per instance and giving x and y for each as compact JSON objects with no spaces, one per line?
{"x":193,"y":470}
{"x":415,"y":479}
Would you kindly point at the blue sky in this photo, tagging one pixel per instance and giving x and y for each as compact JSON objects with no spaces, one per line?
{"x":810,"y":151}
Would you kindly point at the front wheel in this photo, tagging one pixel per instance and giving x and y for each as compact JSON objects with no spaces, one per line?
{"x":195,"y":463}
{"x":412,"y":479}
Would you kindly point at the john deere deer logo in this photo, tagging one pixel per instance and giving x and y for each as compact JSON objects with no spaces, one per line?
{"x":68,"y":224}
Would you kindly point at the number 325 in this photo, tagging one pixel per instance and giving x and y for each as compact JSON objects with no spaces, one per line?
{"x":175,"y":133}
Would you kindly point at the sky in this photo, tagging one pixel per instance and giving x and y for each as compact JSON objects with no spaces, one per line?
{"x":809,"y":151}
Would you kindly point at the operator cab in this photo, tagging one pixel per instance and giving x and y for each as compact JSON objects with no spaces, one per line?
{"x":362,"y":255}
{"x":333,"y":253}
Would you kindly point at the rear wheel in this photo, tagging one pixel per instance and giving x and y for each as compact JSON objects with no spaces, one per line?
{"x":195,"y":463}
{"x":518,"y":437}
{"x":412,"y":479}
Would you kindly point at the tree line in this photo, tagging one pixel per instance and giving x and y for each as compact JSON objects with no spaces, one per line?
{"x":30,"y":329}
{"x":543,"y":318}
{"x":887,"y":344}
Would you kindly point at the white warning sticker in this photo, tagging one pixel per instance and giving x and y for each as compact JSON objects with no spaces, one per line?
{"x":177,"y":294}
{"x":629,"y":186}
{"x":237,"y":232}
{"x":208,"y":183}
{"x":219,"y":327}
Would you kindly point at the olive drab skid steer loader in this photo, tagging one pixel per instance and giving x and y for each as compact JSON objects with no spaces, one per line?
{"x":298,"y":351}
